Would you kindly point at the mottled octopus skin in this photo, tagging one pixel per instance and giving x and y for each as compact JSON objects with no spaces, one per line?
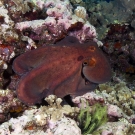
{"x":68,"y":67}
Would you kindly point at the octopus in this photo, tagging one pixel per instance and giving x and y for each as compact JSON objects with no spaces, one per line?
{"x":66,"y":68}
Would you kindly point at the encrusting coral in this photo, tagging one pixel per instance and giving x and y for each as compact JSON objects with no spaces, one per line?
{"x":57,"y":119}
{"x":119,"y":95}
{"x":119,"y":100}
{"x":122,"y":127}
{"x":9,"y":104}
{"x":103,"y":13}
{"x":59,"y":22}
{"x":52,"y":119}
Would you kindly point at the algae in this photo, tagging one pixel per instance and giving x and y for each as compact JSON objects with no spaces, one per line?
{"x":91,"y":118}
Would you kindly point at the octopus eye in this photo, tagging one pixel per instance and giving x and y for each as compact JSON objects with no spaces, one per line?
{"x":91,"y":62}
{"x":85,"y":63}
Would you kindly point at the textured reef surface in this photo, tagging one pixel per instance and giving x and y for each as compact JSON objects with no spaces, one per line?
{"x":67,"y":67}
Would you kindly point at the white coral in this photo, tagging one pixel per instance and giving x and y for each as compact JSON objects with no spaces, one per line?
{"x":52,"y":118}
{"x":80,"y":12}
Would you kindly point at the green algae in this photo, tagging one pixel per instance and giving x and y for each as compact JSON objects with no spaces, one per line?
{"x":90,"y":121}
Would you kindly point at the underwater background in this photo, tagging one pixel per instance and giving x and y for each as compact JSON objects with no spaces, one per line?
{"x":67,"y":67}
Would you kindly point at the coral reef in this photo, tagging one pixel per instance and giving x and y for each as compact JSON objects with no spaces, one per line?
{"x":21,"y":5}
{"x":90,"y":97}
{"x":119,"y":100}
{"x":123,"y":127}
{"x":29,"y":24}
{"x":103,"y":13}
{"x":119,"y":95}
{"x":128,"y":5}
{"x":52,"y":119}
{"x":59,"y":22}
{"x":6,"y":54}
{"x":58,"y":119}
{"x":7,"y":35}
{"x":119,"y":46}
{"x":9,"y":104}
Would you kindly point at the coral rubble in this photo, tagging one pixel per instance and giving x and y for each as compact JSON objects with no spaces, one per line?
{"x":62,"y":119}
{"x":122,"y":127}
{"x":119,"y":95}
{"x":52,"y":119}
{"x":9,"y":104}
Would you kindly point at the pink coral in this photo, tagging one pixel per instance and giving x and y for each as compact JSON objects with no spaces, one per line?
{"x":91,"y":97}
{"x":60,"y":21}
{"x":114,"y":111}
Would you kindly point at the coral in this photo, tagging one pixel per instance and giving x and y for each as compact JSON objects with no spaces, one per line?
{"x":102,"y":13}
{"x":59,"y":22}
{"x":76,"y":1}
{"x":6,"y":54}
{"x":55,"y":106}
{"x":128,"y":5}
{"x":21,"y":6}
{"x":66,"y":126}
{"x":123,"y":127}
{"x":52,"y":119}
{"x":80,"y":12}
{"x":114,"y":111}
{"x":9,"y":104}
{"x":90,"y":97}
{"x":119,"y":100}
{"x":119,"y":45}
{"x":119,"y":95}
{"x":87,"y":32}
{"x":8,"y":34}
{"x":90,"y":121}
